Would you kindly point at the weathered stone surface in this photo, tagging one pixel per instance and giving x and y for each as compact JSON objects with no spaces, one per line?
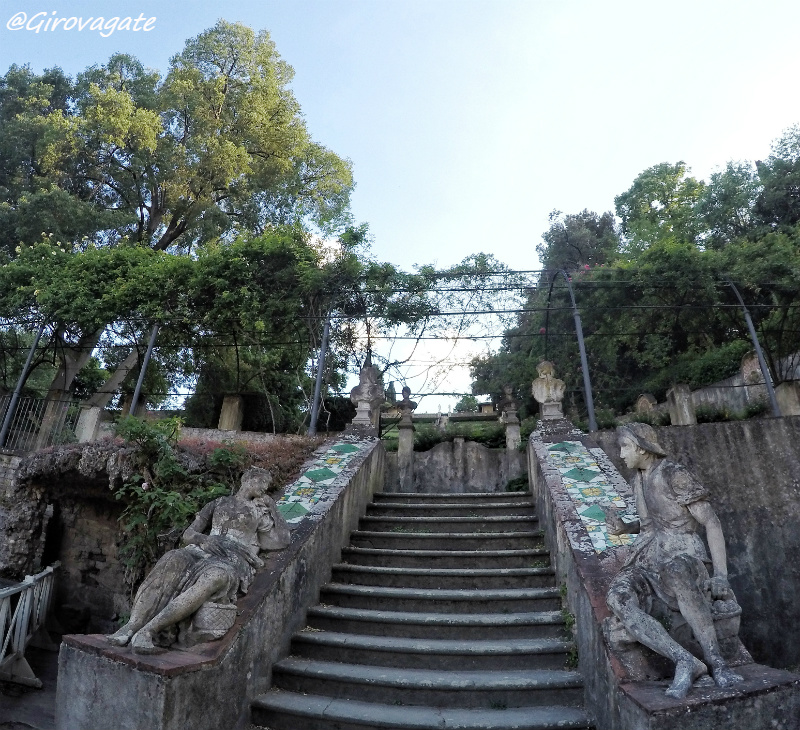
{"x":788,"y":397}
{"x":752,"y":471}
{"x":587,"y":575}
{"x":645,"y":403}
{"x":681,"y":406}
{"x":211,"y":687}
{"x":548,"y":391}
{"x":459,"y":466}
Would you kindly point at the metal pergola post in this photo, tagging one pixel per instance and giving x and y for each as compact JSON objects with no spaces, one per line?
{"x":12,"y":406}
{"x":776,"y":411}
{"x":143,"y":369}
{"x":312,"y":427}
{"x":587,"y":383}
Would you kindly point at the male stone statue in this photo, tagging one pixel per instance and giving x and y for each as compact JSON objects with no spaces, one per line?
{"x":406,"y":406}
{"x":669,"y":561}
{"x":210,"y":568}
{"x":548,"y":391}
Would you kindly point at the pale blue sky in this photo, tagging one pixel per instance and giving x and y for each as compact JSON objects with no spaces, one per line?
{"x":468,"y":122}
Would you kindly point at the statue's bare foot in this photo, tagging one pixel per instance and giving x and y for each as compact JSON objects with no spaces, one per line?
{"x":687,"y":670}
{"x":121,"y":637}
{"x":142,"y":643}
{"x":725,"y":677}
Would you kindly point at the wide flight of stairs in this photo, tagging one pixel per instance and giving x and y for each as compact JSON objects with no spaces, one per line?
{"x":444,"y":614}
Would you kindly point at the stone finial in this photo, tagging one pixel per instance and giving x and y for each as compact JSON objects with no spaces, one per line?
{"x":508,"y":406}
{"x":681,"y":405}
{"x":507,"y":402}
{"x":646,"y":403}
{"x":548,"y":391}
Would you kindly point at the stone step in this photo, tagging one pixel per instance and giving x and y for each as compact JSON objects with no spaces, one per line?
{"x":447,"y":540}
{"x":432,"y":688}
{"x":280,"y":710}
{"x":498,"y":523}
{"x":474,"y":578}
{"x":443,"y":497}
{"x":441,"y":654}
{"x":497,"y":600}
{"x":398,"y":509}
{"x":437,"y":625}
{"x":527,"y":558}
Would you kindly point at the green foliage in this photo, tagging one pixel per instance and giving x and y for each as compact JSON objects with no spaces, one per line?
{"x":518,"y":484}
{"x":489,"y":434}
{"x":575,"y":241}
{"x":161,"y":498}
{"x":653,"y":418}
{"x":660,"y":203}
{"x":467,"y":404}
{"x":100,"y":173}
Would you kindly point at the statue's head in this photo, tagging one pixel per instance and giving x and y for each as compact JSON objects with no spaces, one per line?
{"x":545,"y":367}
{"x":256,"y":482}
{"x":508,"y":390}
{"x":368,"y":375}
{"x":406,"y":392}
{"x":642,"y":435}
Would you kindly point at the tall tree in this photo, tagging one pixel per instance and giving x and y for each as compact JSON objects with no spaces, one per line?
{"x":660,"y":204}
{"x":577,"y":240}
{"x":123,"y":157}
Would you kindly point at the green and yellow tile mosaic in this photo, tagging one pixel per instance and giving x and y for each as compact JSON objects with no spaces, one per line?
{"x":590,"y":491}
{"x":299,"y":499}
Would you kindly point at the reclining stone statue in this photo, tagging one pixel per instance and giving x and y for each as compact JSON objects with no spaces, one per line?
{"x":669,"y":564}
{"x":193,"y":589}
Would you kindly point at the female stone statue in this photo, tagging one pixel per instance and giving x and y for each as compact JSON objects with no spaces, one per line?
{"x":210,"y":569}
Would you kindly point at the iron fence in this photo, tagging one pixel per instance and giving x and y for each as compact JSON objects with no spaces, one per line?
{"x":40,"y":422}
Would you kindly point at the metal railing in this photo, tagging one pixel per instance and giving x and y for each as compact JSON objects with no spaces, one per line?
{"x":40,"y":422}
{"x":23,"y":610}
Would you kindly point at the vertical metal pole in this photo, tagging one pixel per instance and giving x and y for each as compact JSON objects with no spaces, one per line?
{"x":143,"y":369}
{"x":587,"y":383}
{"x":312,"y":427}
{"x":12,"y":406}
{"x":776,"y":411}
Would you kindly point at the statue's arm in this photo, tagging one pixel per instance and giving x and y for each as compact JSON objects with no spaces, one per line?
{"x":704,"y":513}
{"x":273,"y":532}
{"x":195,"y":533}
{"x":617,"y":526}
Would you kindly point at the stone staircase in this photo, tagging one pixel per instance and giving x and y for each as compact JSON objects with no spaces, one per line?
{"x":444,"y":614}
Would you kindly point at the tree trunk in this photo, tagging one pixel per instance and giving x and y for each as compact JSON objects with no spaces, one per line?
{"x":106,"y":392}
{"x":72,"y":360}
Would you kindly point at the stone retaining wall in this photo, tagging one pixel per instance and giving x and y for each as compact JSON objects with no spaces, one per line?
{"x":459,"y":466}
{"x":211,"y":686}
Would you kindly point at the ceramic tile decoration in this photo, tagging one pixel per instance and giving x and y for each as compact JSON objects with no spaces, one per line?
{"x":300,"y":498}
{"x":590,"y":491}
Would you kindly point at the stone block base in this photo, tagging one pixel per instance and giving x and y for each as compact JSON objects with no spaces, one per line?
{"x":768,"y":699}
